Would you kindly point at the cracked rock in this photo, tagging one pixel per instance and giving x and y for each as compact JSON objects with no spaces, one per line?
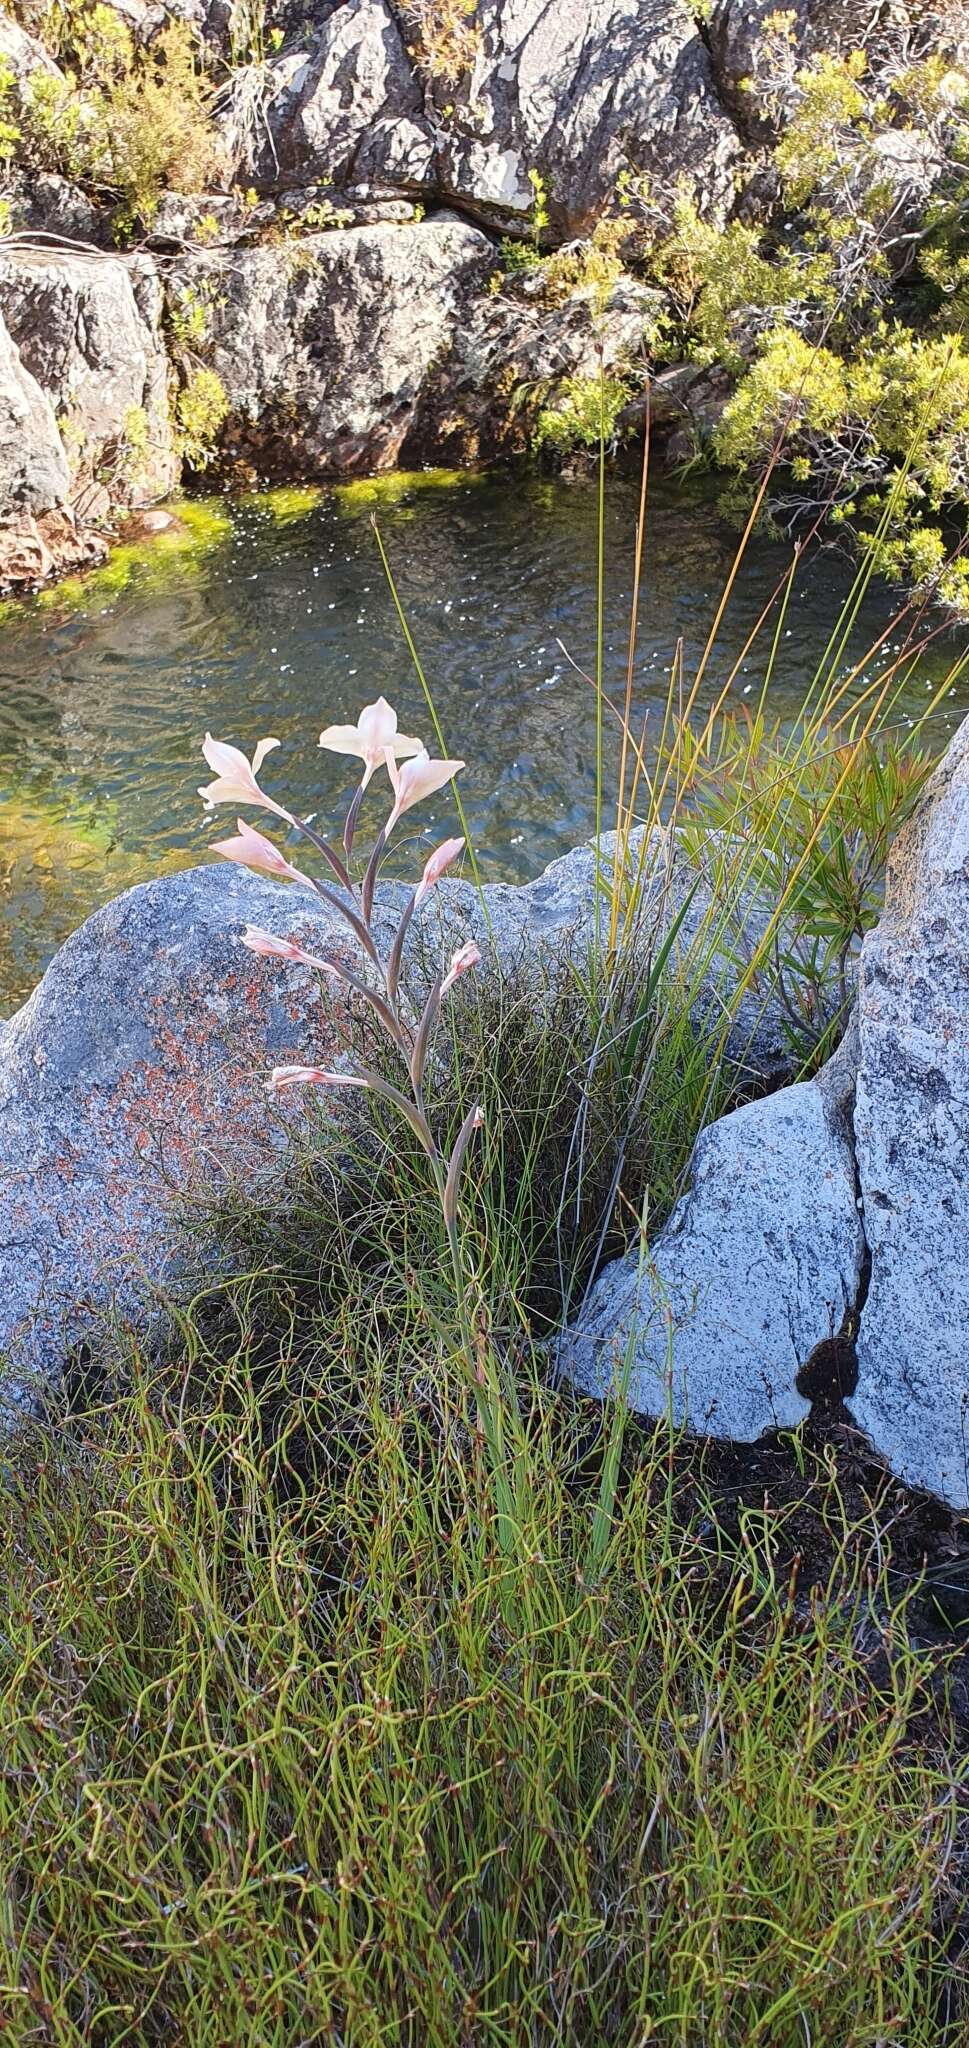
{"x":758,"y":1265}
{"x":912,"y":1140}
{"x":579,"y":91}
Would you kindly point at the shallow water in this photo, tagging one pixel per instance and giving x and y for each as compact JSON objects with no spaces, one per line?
{"x":272,"y":616}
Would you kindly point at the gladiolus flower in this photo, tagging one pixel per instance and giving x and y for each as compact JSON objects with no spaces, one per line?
{"x":434,"y":868}
{"x":467,"y":956}
{"x":415,"y":780}
{"x":271,"y":948}
{"x":374,"y":736}
{"x":235,"y":777}
{"x":253,"y":850}
{"x":295,"y":1077}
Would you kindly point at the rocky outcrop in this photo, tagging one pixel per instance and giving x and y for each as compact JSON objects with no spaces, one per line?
{"x":758,"y":1266}
{"x":324,"y":347}
{"x":912,"y":1138}
{"x":137,"y":1067}
{"x":579,"y":94}
{"x":575,"y":95}
{"x":835,"y":1213}
{"x":34,"y":473}
{"x":470,"y":408}
{"x":88,"y":328}
{"x":345,"y":108}
{"x":39,"y":535}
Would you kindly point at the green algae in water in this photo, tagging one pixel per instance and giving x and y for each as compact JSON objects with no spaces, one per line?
{"x":284,"y":504}
{"x":369,"y":493}
{"x":153,"y":564}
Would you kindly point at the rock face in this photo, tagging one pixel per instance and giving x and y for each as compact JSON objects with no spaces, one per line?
{"x":758,"y":1265}
{"x":139,"y":1060}
{"x":467,"y":411}
{"x":39,"y":536}
{"x":34,"y":474}
{"x":837,"y":1208}
{"x":88,"y":328}
{"x":912,"y":1137}
{"x":347,"y":107}
{"x":579,"y":91}
{"x":576,"y":91}
{"x":326,"y":349}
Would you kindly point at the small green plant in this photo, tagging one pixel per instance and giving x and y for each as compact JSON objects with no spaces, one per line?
{"x":9,"y":123}
{"x":447,"y":38}
{"x":188,"y":316}
{"x":140,"y":125}
{"x":201,"y":410}
{"x":582,"y":410}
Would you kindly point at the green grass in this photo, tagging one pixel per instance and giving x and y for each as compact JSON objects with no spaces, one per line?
{"x":302,"y":1740}
{"x":292,"y":1752}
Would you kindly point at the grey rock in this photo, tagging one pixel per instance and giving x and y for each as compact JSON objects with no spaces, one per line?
{"x":580,"y":90}
{"x":348,"y":106}
{"x":34,"y":473}
{"x":759,"y":1263}
{"x":912,"y":1141}
{"x":88,"y":328}
{"x":137,"y":1065}
{"x":325,"y":345}
{"x":470,"y":408}
{"x":44,"y":204}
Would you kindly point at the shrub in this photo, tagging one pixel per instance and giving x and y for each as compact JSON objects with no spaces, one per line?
{"x":142,"y":126}
{"x":447,"y":37}
{"x":582,"y":409}
{"x":846,"y":333}
{"x":201,"y":410}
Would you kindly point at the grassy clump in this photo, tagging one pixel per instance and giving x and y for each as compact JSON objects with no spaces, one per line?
{"x":292,"y":1752}
{"x":128,"y":124}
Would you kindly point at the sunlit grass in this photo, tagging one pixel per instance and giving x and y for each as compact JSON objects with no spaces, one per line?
{"x":291,"y":1750}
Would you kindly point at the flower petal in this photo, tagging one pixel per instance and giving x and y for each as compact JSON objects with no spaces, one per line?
{"x":342,"y":739}
{"x":265,"y":747}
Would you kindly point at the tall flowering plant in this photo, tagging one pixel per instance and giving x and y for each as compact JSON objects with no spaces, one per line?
{"x":376,"y":742}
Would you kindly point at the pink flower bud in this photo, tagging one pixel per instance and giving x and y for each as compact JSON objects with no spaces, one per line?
{"x":467,"y":956}
{"x":253,"y":850}
{"x":434,"y":867}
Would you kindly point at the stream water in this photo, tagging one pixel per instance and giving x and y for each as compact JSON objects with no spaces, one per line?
{"x":271,"y":615}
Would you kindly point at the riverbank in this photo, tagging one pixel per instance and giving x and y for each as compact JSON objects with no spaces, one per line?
{"x":298,"y":247}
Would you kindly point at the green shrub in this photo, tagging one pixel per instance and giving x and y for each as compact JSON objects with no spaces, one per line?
{"x":846,"y":330}
{"x":581,"y":409}
{"x":140,"y":125}
{"x":201,"y":409}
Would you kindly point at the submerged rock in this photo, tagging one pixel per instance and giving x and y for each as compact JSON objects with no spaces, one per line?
{"x":758,"y":1265}
{"x":136,"y":1069}
{"x":912,"y":1138}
